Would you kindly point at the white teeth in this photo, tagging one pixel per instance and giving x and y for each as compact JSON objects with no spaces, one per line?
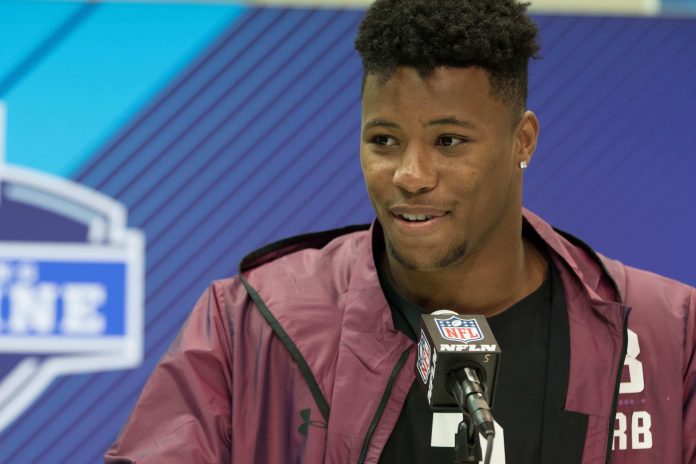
{"x":415,"y":217}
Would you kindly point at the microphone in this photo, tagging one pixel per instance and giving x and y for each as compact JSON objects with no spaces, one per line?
{"x":457,"y":364}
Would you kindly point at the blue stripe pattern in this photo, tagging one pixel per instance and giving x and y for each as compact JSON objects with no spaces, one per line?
{"x":617,"y":104}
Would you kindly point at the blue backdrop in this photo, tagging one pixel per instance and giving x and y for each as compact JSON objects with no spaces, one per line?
{"x":222,"y":128}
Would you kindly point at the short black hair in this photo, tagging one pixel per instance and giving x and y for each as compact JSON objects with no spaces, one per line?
{"x":496,"y":35}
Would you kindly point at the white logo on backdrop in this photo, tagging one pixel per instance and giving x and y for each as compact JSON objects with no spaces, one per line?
{"x":66,"y":307}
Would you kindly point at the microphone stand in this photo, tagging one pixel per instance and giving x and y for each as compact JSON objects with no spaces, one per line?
{"x":465,"y":386}
{"x":467,"y":448}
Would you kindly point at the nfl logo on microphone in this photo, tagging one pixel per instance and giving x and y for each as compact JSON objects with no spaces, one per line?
{"x":460,"y":330}
{"x":423,"y":362}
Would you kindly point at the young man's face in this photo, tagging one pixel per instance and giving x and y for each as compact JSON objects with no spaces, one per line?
{"x":441,"y":159}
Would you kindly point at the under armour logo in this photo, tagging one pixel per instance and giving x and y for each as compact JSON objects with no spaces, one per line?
{"x":305,"y":414}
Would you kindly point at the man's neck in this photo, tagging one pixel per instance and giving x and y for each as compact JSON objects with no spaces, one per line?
{"x":485,"y":282}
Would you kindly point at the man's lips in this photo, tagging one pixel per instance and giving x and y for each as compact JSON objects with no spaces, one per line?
{"x":418,"y":219}
{"x":428,"y":211}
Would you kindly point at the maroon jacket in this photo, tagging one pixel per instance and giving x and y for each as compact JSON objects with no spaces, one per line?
{"x":299,"y":361}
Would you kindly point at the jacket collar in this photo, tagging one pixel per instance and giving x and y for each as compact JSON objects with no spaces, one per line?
{"x":597,"y":319}
{"x":579,"y":258}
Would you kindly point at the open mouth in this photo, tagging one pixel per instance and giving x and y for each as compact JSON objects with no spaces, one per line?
{"x":415,"y":217}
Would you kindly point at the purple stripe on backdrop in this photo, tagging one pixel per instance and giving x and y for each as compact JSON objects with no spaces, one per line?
{"x":154,"y":132}
{"x":214,"y":97}
{"x":232,"y":198}
{"x":581,"y":113}
{"x":574,"y":42}
{"x":103,"y":163}
{"x":220,"y":153}
{"x":573,"y":108}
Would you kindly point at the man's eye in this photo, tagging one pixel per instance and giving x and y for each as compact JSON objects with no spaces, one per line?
{"x":384,"y":140}
{"x":449,"y":141}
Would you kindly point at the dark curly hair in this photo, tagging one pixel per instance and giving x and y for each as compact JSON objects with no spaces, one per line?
{"x":496,"y":35}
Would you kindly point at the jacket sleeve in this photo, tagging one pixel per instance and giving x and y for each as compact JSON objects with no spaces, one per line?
{"x":689,"y":424}
{"x":183,"y":413}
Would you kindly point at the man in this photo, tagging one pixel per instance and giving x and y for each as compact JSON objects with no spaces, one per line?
{"x":307,"y":355}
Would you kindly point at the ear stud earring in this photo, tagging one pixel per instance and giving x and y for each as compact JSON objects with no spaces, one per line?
{"x":523,"y":165}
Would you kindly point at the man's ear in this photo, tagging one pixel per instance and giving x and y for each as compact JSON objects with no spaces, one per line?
{"x":526,"y":135}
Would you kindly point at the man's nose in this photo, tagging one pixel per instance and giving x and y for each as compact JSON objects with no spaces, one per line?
{"x":416,"y":171}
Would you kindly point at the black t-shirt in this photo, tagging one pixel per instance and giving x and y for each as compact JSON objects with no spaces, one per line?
{"x":533,"y":335}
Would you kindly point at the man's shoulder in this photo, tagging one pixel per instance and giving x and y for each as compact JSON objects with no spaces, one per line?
{"x":636,"y":287}
{"x":320,"y":264}
{"x":308,"y":252}
{"x":315,"y":265}
{"x":643,"y":288}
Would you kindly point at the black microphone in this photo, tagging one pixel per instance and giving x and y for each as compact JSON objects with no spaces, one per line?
{"x":457,"y":365}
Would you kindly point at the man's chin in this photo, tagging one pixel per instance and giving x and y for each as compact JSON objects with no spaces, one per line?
{"x":427,"y":262}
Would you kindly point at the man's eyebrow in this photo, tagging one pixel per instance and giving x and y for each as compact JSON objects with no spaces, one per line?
{"x":380,"y":123}
{"x":451,"y":120}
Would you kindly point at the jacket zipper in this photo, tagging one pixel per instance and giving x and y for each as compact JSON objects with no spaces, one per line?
{"x":382,"y":404}
{"x":612,"y":416}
